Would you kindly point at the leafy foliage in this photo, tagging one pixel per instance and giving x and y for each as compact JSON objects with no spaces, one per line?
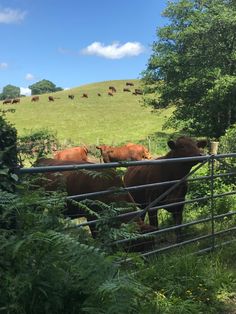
{"x":43,"y":86}
{"x":8,"y":154}
{"x":227,"y":141}
{"x":47,"y":268}
{"x":10,"y":91}
{"x":193,"y":66}
{"x":35,"y":145}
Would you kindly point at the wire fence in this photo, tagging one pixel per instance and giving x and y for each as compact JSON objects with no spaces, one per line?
{"x":205,"y":242}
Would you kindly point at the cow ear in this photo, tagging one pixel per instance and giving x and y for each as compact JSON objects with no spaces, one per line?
{"x":202,"y":143}
{"x":171,"y":144}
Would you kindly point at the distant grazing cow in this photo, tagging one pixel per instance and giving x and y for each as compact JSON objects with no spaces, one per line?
{"x":123,"y":153}
{"x":35,"y":98}
{"x":71,"y":96}
{"x":138,"y":91}
{"x":81,"y":182}
{"x":129,"y":84}
{"x":112,"y":88}
{"x":99,"y":94}
{"x":74,"y":153}
{"x":85,"y":95}
{"x":50,"y":98}
{"x":126,"y":90}
{"x":147,"y":174}
{"x":16,"y":101}
{"x":109,"y":94}
{"x":7,"y":101}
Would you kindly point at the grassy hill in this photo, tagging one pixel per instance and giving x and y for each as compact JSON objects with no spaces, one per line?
{"x":92,"y":120}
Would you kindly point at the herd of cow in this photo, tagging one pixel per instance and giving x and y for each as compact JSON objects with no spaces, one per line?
{"x":11,"y":101}
{"x":80,"y":182}
{"x":111,"y":92}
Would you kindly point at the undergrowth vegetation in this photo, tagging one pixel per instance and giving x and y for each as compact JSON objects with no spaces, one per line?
{"x":49,"y":266}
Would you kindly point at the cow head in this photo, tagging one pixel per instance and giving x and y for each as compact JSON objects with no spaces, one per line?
{"x":104,"y":149}
{"x":147,"y":155}
{"x":186,"y":147}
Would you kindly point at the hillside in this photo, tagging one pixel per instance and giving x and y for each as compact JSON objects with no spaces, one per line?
{"x":105,"y":119}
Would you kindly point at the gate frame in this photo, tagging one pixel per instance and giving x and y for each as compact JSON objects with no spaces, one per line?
{"x":211,"y":159}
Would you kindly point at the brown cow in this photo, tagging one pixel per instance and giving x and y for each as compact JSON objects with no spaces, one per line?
{"x":123,"y":153}
{"x":85,"y":95}
{"x":16,"y":101}
{"x":81,"y":182}
{"x":7,"y":101}
{"x":129,"y":84}
{"x":112,"y":88}
{"x":140,"y":148}
{"x":109,"y":94}
{"x":50,"y":98}
{"x":138,"y":91}
{"x":71,"y":96}
{"x":126,"y":90}
{"x":182,"y":147}
{"x":35,"y":98}
{"x":73,"y":153}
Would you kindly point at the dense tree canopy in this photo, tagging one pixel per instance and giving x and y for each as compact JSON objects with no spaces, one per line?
{"x":193,"y":65}
{"x":10,"y":91}
{"x":43,"y":86}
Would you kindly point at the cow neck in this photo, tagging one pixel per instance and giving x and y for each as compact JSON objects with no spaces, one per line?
{"x":180,"y":169}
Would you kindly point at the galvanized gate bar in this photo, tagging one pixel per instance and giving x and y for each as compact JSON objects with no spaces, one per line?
{"x":116,"y":164}
{"x":188,"y":242}
{"x":140,"y":187}
{"x":107,"y":165}
{"x":164,"y":230}
{"x":132,"y":214}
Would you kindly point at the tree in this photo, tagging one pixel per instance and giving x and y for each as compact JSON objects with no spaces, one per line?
{"x":10,"y":91}
{"x":193,"y":66}
{"x":43,"y":87}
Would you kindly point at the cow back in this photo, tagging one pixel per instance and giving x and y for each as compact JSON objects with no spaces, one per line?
{"x":72,"y":154}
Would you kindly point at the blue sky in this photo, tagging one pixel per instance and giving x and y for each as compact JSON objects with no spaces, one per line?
{"x":75,"y":42}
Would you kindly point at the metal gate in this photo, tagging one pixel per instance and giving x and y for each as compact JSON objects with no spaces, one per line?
{"x":213,"y":218}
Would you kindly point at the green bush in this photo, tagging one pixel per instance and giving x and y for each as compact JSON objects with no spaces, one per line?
{"x":8,"y":154}
{"x":46,"y":267}
{"x":202,"y":188}
{"x":227,"y":141}
{"x":37,"y":144}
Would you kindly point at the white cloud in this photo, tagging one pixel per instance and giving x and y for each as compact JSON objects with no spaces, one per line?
{"x":25,"y":91}
{"x":29,"y":77}
{"x":9,"y":16}
{"x":3,"y":65}
{"x":115,"y":50}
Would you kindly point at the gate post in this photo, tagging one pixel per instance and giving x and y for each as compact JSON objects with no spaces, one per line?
{"x":212,"y":201}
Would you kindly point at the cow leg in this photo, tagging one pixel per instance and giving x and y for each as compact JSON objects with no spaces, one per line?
{"x":153,"y":218}
{"x":143,"y":216}
{"x":178,"y":218}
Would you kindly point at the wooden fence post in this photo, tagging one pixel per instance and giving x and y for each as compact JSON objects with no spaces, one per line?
{"x":214,"y":148}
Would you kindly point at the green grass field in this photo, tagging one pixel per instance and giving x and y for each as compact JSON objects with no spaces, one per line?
{"x":92,"y":120}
